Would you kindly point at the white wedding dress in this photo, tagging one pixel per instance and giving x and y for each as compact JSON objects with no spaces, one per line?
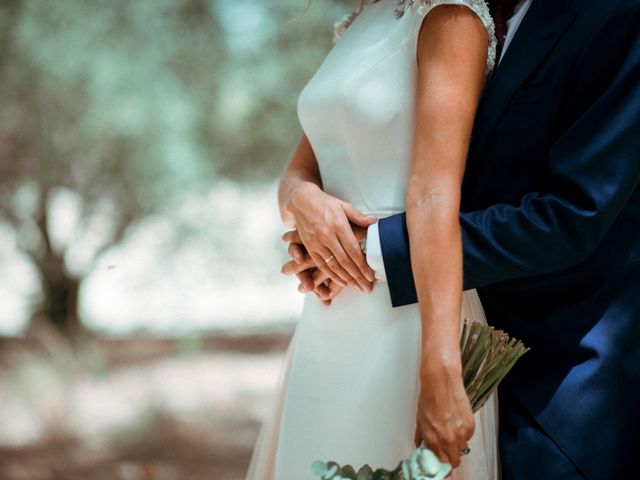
{"x":349,"y":385}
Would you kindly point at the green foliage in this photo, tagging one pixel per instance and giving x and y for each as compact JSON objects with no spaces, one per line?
{"x":100,"y":101}
{"x":487,"y":356}
{"x":102,"y":97}
{"x":127,"y":104}
{"x":421,"y":465}
{"x":122,"y":107}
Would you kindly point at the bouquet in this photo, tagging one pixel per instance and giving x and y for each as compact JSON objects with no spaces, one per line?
{"x":487,"y":356}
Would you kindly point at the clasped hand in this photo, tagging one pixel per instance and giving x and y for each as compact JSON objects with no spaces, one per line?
{"x":325,"y":245}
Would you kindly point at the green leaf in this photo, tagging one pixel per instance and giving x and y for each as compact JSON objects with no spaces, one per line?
{"x":319,"y":468}
{"x":365,"y":473}
{"x":378,"y":474}
{"x":444,"y":471}
{"x":406,"y":472}
{"x":331,"y":471}
{"x":348,"y":472}
{"x":429,"y":462}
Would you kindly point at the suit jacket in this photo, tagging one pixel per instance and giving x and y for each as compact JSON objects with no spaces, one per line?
{"x":551,"y":224}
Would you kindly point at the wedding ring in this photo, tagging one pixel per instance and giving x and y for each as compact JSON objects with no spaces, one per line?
{"x":466,"y":451}
{"x":329,"y":258}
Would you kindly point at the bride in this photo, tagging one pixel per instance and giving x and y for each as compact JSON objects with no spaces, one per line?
{"x":387,"y":120}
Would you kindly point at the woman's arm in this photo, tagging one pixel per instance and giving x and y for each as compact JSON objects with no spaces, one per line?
{"x":452,"y":53}
{"x":301,"y":174}
{"x":323,"y":221}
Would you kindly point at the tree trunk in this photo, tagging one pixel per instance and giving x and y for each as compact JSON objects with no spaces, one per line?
{"x":59,"y":304}
{"x":60,"y":301}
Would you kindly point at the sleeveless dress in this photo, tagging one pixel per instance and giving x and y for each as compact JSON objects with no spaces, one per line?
{"x":349,"y":385}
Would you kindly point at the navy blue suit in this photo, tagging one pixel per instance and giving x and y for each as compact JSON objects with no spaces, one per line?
{"x":551,"y":234}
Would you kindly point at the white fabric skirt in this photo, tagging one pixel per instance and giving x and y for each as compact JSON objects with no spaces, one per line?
{"x":348,"y":391}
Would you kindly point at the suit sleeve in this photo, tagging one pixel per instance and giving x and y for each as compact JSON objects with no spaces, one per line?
{"x":590,"y":173}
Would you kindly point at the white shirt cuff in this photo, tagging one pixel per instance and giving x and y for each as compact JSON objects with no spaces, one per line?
{"x":374,"y":252}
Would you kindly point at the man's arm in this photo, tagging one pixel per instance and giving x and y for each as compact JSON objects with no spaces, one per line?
{"x":591,"y":172}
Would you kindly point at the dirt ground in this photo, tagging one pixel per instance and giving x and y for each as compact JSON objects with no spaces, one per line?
{"x":136,"y":408}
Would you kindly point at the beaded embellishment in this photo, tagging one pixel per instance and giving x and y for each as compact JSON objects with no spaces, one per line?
{"x":421,"y":7}
{"x":341,"y":25}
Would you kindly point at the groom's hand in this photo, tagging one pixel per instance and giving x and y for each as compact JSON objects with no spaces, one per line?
{"x":312,"y":279}
{"x":303,"y":266}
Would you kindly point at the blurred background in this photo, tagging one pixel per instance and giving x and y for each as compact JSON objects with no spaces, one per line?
{"x":143,"y":318}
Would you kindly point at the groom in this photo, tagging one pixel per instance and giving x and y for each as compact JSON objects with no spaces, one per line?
{"x":551,"y":232}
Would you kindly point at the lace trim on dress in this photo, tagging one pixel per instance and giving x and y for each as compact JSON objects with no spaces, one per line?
{"x":422,"y":7}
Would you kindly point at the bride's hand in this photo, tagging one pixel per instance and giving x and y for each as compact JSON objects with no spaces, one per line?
{"x":311,"y":278}
{"x":324,"y":225}
{"x":445,"y":419}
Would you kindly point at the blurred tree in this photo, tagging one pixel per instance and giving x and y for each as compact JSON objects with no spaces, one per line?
{"x":100,"y":105}
{"x":112,"y":110}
